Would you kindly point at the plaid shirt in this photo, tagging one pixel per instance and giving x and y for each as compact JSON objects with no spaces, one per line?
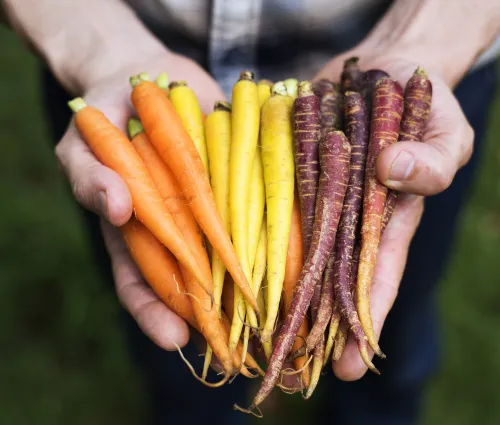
{"x":265,"y":36}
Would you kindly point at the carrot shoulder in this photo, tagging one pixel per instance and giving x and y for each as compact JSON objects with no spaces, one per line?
{"x":167,"y":133}
{"x":114,"y":150}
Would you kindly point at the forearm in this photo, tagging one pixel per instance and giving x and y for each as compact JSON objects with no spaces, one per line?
{"x":446,"y":36}
{"x":82,"y":41}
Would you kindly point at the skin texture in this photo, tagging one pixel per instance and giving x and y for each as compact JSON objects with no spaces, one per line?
{"x":351,"y":77}
{"x":334,"y":164}
{"x":384,"y":129}
{"x":306,"y":134}
{"x":357,"y":131}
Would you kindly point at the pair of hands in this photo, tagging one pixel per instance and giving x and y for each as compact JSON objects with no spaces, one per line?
{"x":417,"y":169}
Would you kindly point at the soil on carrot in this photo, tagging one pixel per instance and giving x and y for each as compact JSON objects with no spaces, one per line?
{"x":63,"y":351}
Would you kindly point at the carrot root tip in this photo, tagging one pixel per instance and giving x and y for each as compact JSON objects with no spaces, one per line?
{"x":252,"y":410}
{"x":202,"y":380}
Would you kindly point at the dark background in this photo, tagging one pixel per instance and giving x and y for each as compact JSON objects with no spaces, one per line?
{"x":62,"y":353}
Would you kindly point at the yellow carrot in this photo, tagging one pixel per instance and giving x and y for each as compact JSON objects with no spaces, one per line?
{"x":218,"y":137}
{"x":279,"y":178}
{"x":259,"y":272}
{"x":264,"y":91}
{"x":244,"y":136}
{"x":187,"y":106}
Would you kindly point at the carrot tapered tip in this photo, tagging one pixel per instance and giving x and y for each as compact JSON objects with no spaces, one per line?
{"x":134,"y":127}
{"x":139,"y":78}
{"x":180,"y":83}
{"x":247,"y":75}
{"x":222,"y":106}
{"x":305,"y":88}
{"x":162,"y":81}
{"x":77,"y":104}
{"x":279,"y":88}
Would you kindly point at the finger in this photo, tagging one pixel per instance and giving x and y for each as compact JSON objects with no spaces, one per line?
{"x":429,"y":168}
{"x":94,"y":186}
{"x":389,"y":269}
{"x":155,"y":319}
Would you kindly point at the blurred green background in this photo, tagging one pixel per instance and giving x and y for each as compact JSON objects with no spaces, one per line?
{"x":62,"y":353}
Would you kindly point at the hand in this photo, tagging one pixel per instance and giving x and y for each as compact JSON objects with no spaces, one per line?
{"x":102,"y":191}
{"x":418,"y":170}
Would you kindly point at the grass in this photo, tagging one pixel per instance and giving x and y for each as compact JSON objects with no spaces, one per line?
{"x":63,"y":358}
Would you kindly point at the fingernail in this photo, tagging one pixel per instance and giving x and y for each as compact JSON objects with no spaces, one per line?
{"x":402,"y":167}
{"x":103,"y":203}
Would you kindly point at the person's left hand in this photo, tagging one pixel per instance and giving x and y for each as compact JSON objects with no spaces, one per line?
{"x":417,"y":170}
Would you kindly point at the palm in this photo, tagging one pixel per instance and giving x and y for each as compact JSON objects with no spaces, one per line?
{"x":436,"y":161}
{"x":90,"y":180}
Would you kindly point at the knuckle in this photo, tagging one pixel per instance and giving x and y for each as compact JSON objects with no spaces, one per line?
{"x":443,"y":179}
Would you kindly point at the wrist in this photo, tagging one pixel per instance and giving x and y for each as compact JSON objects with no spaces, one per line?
{"x":444,"y":37}
{"x":83,"y":42}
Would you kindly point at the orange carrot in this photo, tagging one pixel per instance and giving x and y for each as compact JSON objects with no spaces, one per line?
{"x":166,"y":132}
{"x":159,"y":268}
{"x":294,"y":263}
{"x":172,"y":196}
{"x":114,"y":150}
{"x":161,"y":271}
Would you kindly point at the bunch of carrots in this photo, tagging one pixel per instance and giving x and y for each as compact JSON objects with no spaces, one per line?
{"x":261,"y":221}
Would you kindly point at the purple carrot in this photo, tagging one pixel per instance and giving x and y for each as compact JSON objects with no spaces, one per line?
{"x":357,"y":131}
{"x":331,"y":109}
{"x":351,"y":78}
{"x":417,"y":107}
{"x":334,"y":156}
{"x":322,"y":86}
{"x":368,"y":82}
{"x":321,"y":316}
{"x":384,"y":129}
{"x":306,"y":134}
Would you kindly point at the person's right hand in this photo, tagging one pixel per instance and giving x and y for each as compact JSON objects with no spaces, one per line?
{"x":102,"y":191}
